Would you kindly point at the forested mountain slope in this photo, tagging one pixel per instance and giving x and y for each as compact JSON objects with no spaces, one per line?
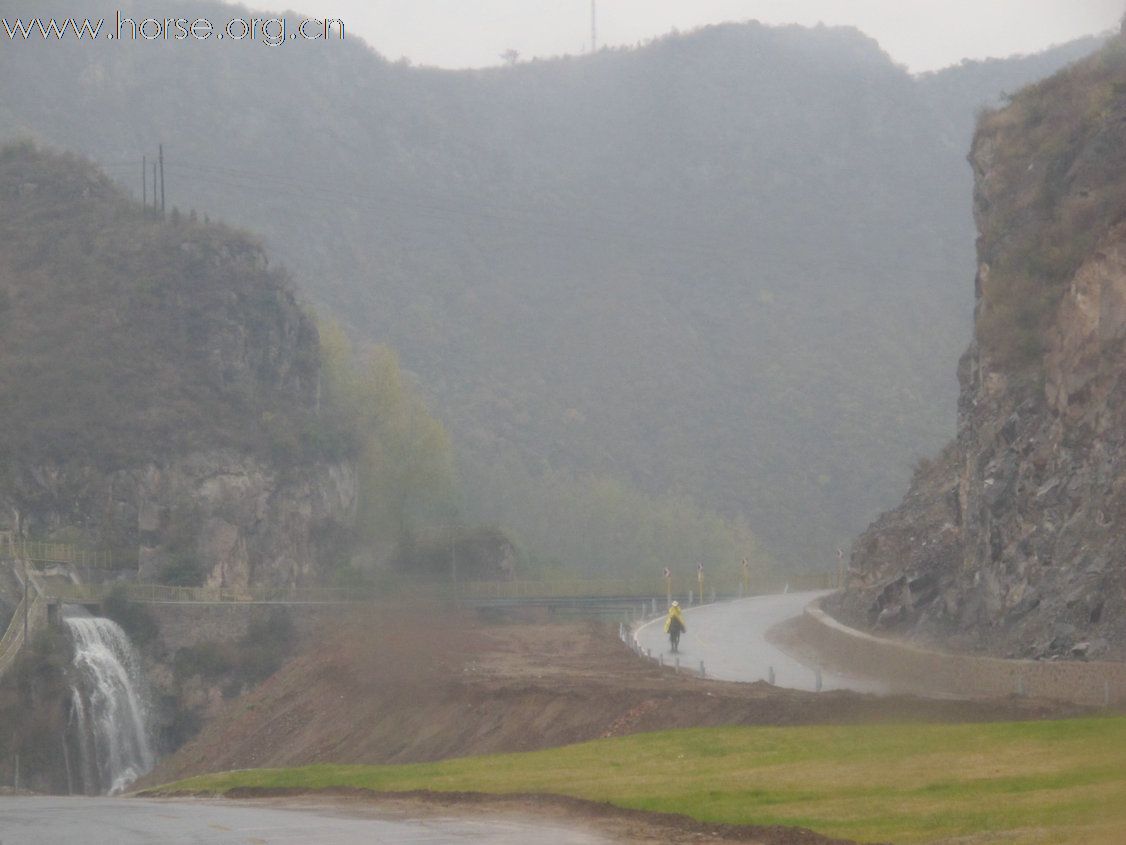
{"x":160,"y":389}
{"x":727,"y":265}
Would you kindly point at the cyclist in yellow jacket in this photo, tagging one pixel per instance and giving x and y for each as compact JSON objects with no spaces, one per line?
{"x":674,"y":626}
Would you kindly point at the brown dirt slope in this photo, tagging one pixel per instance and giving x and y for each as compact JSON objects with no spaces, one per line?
{"x":407,"y":689}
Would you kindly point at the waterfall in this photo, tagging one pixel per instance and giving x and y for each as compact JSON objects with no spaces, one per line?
{"x":108,"y":711}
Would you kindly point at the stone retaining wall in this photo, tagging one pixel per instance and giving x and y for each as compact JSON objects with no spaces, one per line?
{"x":1097,"y":683}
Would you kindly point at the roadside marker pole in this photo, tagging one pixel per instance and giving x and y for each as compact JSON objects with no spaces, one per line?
{"x":703,"y":674}
{"x":770,"y":676}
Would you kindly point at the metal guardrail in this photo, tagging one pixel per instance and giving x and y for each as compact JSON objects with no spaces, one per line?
{"x":38,"y":552}
{"x":555,"y":590}
{"x":577,"y":589}
{"x":637,"y":588}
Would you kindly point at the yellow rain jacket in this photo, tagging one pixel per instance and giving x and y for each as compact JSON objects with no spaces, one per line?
{"x":674,"y":614}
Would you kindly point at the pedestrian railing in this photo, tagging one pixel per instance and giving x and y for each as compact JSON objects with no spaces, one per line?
{"x":33,"y":551}
{"x":13,"y":639}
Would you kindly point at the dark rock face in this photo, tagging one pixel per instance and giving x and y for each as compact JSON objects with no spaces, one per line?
{"x":1013,"y":542}
{"x":161,"y":389}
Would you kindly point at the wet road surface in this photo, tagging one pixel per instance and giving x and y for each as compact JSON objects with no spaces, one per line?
{"x":730,"y":637}
{"x":128,"y":821}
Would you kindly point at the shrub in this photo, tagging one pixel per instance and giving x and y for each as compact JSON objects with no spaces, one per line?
{"x":266,"y":644}
{"x":183,"y":570}
{"x":135,"y":619}
{"x":208,"y":660}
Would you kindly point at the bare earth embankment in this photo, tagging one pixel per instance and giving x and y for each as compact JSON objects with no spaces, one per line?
{"x":412,"y":687}
{"x":415,"y":686}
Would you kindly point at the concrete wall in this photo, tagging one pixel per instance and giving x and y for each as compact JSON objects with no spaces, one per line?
{"x":1098,"y":683}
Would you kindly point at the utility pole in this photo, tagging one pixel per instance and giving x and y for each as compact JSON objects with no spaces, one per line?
{"x":161,"y":181}
{"x":154,"y":187}
{"x":594,"y":26}
{"x":453,"y":556}
{"x":144,"y":181}
{"x":26,"y":579}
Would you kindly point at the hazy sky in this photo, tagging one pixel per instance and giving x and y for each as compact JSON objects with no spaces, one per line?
{"x":922,"y":34}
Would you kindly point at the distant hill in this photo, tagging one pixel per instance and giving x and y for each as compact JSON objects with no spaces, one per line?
{"x":732,"y":266}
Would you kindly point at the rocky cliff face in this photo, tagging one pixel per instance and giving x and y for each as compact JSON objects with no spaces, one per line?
{"x":219,"y":518}
{"x":1013,"y":541}
{"x":161,"y":389}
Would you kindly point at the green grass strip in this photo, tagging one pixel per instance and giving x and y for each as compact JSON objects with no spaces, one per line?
{"x":1027,"y":782}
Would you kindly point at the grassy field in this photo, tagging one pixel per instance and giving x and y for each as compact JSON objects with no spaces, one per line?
{"x":1030,"y":782}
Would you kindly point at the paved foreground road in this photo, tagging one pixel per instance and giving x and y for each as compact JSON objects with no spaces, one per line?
{"x":730,"y":637}
{"x":126,"y":821}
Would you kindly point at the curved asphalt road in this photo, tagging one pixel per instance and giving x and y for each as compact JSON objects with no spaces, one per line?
{"x":129,"y":821}
{"x":730,"y":637}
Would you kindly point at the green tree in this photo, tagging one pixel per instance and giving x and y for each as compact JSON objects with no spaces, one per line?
{"x":407,"y":479}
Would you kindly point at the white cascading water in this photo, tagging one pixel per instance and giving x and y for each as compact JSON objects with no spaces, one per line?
{"x":108,"y":707}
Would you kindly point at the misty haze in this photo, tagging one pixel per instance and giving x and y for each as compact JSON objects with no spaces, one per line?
{"x":612,"y":424}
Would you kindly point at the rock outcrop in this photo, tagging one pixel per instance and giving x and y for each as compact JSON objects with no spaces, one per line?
{"x":161,"y":389}
{"x":1013,"y":541}
{"x":219,"y":518}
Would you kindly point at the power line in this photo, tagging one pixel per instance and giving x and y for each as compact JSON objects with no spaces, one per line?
{"x":385,"y":204}
{"x":387,"y":199}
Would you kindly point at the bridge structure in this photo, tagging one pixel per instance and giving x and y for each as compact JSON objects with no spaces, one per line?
{"x":22,"y":565}
{"x":626,"y":599}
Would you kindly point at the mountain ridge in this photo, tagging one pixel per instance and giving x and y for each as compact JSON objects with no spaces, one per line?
{"x":757,"y":315}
